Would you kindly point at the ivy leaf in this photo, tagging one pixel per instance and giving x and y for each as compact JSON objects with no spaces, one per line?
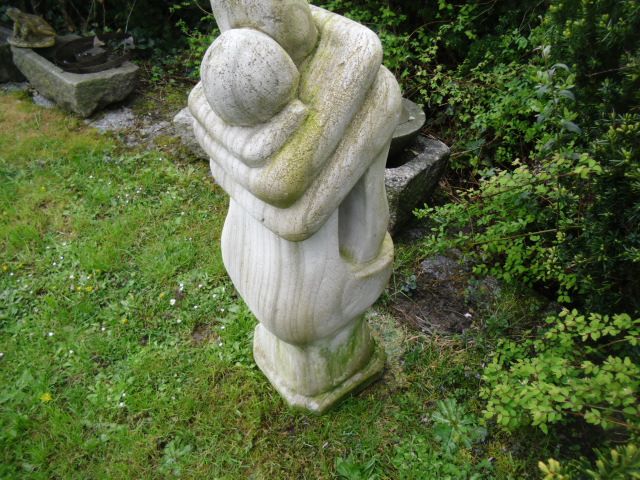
{"x":571,"y":127}
{"x":567,"y":94}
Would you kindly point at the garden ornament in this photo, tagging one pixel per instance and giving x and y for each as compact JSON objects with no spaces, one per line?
{"x":296,"y":113}
{"x":30,"y":31}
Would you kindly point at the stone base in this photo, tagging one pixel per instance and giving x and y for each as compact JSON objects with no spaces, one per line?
{"x":317,"y":377}
{"x":82,"y":93}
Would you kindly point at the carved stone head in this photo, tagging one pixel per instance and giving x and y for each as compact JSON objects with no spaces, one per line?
{"x":288,"y":22}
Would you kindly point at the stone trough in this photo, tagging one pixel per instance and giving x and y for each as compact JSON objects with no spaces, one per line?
{"x":81,"y":93}
{"x":414,"y":166}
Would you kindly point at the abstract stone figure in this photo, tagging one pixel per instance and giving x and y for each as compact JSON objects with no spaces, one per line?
{"x":296,"y":113}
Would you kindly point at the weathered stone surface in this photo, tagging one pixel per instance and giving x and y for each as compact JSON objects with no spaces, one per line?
{"x":412,"y":182}
{"x":305,"y":241}
{"x":8,"y":71}
{"x":113,"y":120}
{"x":183,"y":127}
{"x":42,"y":101}
{"x":412,"y":120}
{"x":287,"y":21}
{"x":253,"y":53}
{"x":406,"y":185}
{"x":80,"y":93}
{"x":14,"y":87}
{"x":30,"y":31}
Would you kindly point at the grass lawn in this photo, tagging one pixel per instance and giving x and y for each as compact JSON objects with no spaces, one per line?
{"x":127,"y":354}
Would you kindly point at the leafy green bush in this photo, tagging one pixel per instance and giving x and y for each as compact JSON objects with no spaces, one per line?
{"x":539,"y":101}
{"x":557,"y":198}
{"x":621,"y":463}
{"x":584,"y":367}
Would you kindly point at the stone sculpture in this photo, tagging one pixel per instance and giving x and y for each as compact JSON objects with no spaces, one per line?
{"x":30,"y":31}
{"x":296,"y":113}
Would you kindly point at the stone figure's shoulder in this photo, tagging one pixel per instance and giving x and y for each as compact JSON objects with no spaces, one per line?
{"x":348,"y":33}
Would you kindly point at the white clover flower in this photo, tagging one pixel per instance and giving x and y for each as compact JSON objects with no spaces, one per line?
{"x":50,"y":334}
{"x":121,"y":404}
{"x":172,"y":302}
{"x":178,"y":321}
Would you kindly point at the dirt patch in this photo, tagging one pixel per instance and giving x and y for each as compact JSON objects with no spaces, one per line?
{"x":442,"y":296}
{"x":203,"y":333}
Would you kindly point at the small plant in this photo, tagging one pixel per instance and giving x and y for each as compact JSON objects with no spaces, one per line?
{"x":454,"y":428}
{"x":350,"y":469}
{"x":410,"y":286}
{"x":174,"y":453}
{"x":552,"y":470}
{"x":416,"y":459}
{"x":621,"y":463}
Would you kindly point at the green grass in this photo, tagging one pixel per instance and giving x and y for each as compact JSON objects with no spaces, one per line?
{"x":127,"y":354}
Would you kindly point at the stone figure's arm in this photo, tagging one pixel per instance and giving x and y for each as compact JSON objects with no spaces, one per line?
{"x":251,"y":145}
{"x":334,"y":83}
{"x":366,"y":138}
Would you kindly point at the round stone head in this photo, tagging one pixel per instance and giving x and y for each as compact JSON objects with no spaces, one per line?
{"x":247,"y":77}
{"x":288,"y":22}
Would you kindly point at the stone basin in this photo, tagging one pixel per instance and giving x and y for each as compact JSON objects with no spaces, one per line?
{"x":412,"y":119}
{"x":411,"y":177}
{"x":81,"y":93}
{"x":8,"y":70}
